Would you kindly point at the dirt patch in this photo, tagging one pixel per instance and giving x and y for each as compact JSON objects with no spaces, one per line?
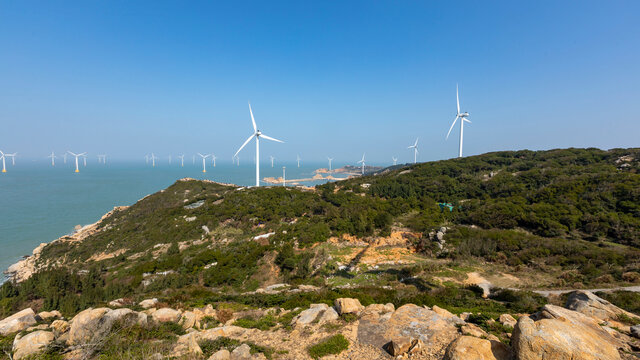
{"x":104,"y":256}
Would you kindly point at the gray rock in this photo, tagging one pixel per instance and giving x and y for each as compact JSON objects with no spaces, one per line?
{"x":17,"y":322}
{"x":308,"y":316}
{"x":223,"y":354}
{"x":242,"y":352}
{"x":635,"y":331}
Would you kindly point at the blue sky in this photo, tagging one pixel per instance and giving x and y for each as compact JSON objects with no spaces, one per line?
{"x":332,"y":78}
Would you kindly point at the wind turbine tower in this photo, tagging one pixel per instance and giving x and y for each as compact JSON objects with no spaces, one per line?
{"x":181,"y":160}
{"x":53,"y":159}
{"x":13,"y":158}
{"x":272,"y":158}
{"x":213,"y":159}
{"x":298,"y":158}
{"x":415,"y":151}
{"x":4,"y":166}
{"x":463,"y":117}
{"x":77,"y":156}
{"x":330,"y":160}
{"x":284,"y":176}
{"x":257,"y":134}
{"x":362,"y":162}
{"x":395,"y":160}
{"x":153,"y":160}
{"x":204,"y":162}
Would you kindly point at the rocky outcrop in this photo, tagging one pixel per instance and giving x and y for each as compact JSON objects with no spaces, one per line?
{"x":405,"y":325}
{"x":17,"y":322}
{"x":472,"y":348}
{"x":48,"y":315}
{"x":242,"y":352}
{"x":166,"y":315}
{"x":589,"y":304}
{"x":347,"y":306}
{"x":148,"y":303}
{"x":562,"y":334}
{"x":316,"y":314}
{"x":507,"y":320}
{"x":635,"y":331}
{"x":221,"y":355}
{"x":31,"y":343}
{"x":93,"y":324}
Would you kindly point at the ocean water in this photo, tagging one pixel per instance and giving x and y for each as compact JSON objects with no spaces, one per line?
{"x":39,"y":203}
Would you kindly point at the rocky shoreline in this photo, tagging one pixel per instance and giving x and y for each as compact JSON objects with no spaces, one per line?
{"x":23,"y":269}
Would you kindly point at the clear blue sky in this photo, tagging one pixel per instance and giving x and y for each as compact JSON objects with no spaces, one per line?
{"x":329,"y":77}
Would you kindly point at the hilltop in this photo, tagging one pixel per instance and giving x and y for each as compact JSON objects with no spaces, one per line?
{"x":476,"y":234}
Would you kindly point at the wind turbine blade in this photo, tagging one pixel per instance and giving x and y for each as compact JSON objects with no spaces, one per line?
{"x":253,"y":121}
{"x":243,"y":145}
{"x":457,"y":99}
{"x":451,"y":128}
{"x":467,"y":120}
{"x":270,"y":138}
{"x":416,"y":144}
{"x":72,"y":153}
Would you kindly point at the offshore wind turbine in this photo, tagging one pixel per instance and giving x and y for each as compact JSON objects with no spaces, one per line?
{"x":84,"y":159}
{"x":284,"y":176}
{"x":204,"y":162}
{"x":146,"y":159}
{"x":272,"y":158}
{"x":415,"y":151}
{"x":102,"y":159}
{"x":181,"y":160}
{"x":257,"y":134}
{"x":77,"y":156}
{"x":153,"y":160}
{"x":193,"y":160}
{"x":395,"y":160}
{"x":169,"y":159}
{"x":213,"y":159}
{"x":4,"y":166}
{"x":13,"y":158}
{"x":330,"y":160}
{"x":298,"y":158}
{"x":64,"y":158}
{"x":362,"y":161}
{"x":53,"y":159}
{"x":463,"y":117}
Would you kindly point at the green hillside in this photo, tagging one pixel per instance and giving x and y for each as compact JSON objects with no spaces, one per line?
{"x":562,"y":217}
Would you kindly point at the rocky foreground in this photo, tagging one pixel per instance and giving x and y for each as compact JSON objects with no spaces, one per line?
{"x":587,"y":327}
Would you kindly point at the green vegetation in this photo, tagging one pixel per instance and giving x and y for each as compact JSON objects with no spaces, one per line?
{"x":626,"y":300}
{"x":330,"y":346}
{"x":573,"y":214}
{"x":210,"y":347}
{"x":263,"y":323}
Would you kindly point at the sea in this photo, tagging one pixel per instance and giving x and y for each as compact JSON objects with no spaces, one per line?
{"x":39,"y":202}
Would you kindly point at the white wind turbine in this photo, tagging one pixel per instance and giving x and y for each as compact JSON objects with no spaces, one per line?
{"x":284,"y":177}
{"x":64,"y":158}
{"x":463,"y":117}
{"x":84,"y":159}
{"x":257,"y":134}
{"x":204,"y":162}
{"x":237,"y":159}
{"x":146,"y":159}
{"x":53,"y":159}
{"x":213,"y":159}
{"x":395,"y":160}
{"x":272,"y":158}
{"x":169,"y":159}
{"x":415,"y":151}
{"x":362,"y":162}
{"x":102,"y":159}
{"x":181,"y":160}
{"x":77,"y":156}
{"x":330,"y":160}
{"x":298,"y":158}
{"x":4,"y":166}
{"x":193,"y":160}
{"x":13,"y":158}
{"x":153,"y":160}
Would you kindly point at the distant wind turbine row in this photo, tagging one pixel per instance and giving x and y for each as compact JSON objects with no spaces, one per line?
{"x":257,"y":134}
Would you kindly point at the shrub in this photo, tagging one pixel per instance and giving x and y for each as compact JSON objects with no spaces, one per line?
{"x":224,"y":315}
{"x":264,"y":323}
{"x":329,"y":346}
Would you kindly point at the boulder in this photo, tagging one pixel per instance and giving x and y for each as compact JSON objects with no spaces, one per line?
{"x":148,"y":303}
{"x":473,"y":330}
{"x":309,"y":316}
{"x":562,"y":334}
{"x":47,"y":315}
{"x":59,"y":327}
{"x":17,"y":322}
{"x":328,"y":315}
{"x":242,"y":352}
{"x":348,"y":306}
{"x":88,"y":325}
{"x":31,"y":343}
{"x":447,"y":315}
{"x":635,"y":331}
{"x":507,"y":320}
{"x":188,"y":320}
{"x":127,"y":317}
{"x":589,"y":304}
{"x":379,"y":308}
{"x":407,"y":322}
{"x":117,"y":303}
{"x":472,"y":348}
{"x":399,"y":346}
{"x":166,"y":315}
{"x":221,"y":355}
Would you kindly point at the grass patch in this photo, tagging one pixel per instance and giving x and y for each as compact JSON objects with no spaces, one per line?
{"x":210,"y":347}
{"x":263,"y":323}
{"x":330,"y":346}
